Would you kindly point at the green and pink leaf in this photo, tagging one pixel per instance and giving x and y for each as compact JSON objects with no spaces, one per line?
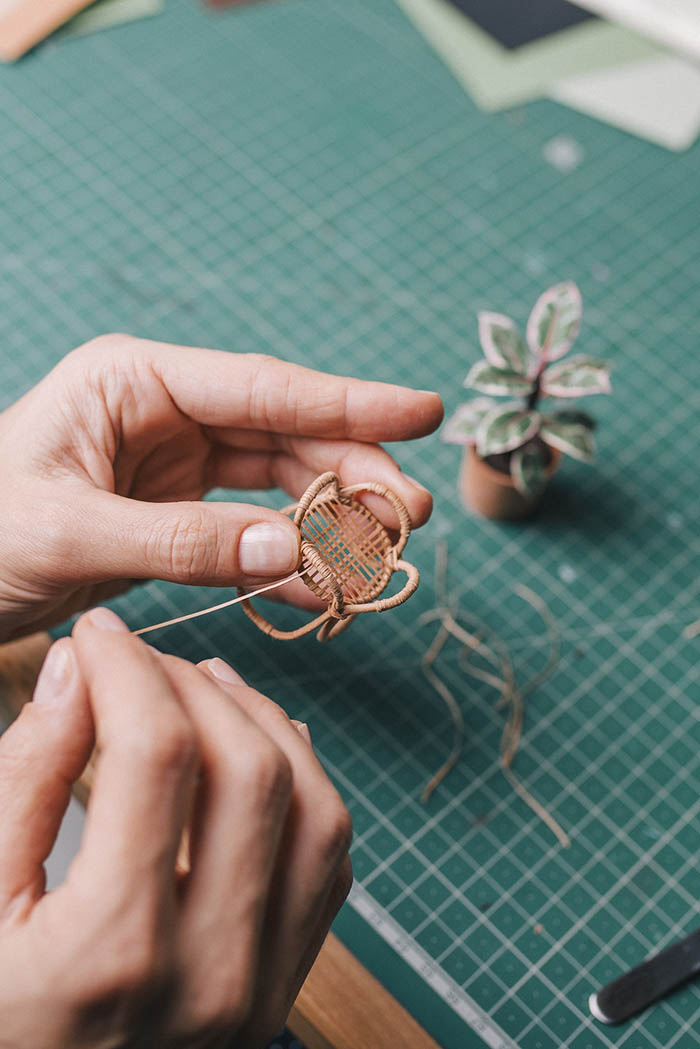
{"x":574,"y":415}
{"x":461,"y":427}
{"x":555,"y":321}
{"x":501,"y":341}
{"x":528,"y":468}
{"x":487,"y":378}
{"x":506,"y":427}
{"x":574,"y":439}
{"x":576,"y":377}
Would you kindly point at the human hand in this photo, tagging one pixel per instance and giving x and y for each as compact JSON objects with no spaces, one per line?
{"x":126,"y":952}
{"x":103,"y":464}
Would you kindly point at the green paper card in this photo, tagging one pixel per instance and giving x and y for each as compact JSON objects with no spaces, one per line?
{"x":108,"y":13}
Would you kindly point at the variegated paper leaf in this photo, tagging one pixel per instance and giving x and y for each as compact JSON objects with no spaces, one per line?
{"x":573,"y":439}
{"x":487,"y":378}
{"x":528,"y":468}
{"x":575,"y":415}
{"x":555,"y":321}
{"x":502,"y":343}
{"x":576,"y":377}
{"x":505,"y":428}
{"x":461,"y":427}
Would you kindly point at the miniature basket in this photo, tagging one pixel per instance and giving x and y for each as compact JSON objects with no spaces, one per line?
{"x":347,"y":556}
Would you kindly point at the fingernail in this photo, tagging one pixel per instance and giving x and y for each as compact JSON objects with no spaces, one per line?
{"x":303,"y":730}
{"x":56,"y":673}
{"x":221,"y":670}
{"x":268,"y":549}
{"x":416,"y":484}
{"x":433,"y":393}
{"x":106,"y":619}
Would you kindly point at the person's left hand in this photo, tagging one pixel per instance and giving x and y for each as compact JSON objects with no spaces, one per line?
{"x":134,"y":949}
{"x":104,"y":463}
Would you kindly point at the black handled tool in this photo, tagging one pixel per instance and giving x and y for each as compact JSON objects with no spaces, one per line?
{"x":653,"y":979}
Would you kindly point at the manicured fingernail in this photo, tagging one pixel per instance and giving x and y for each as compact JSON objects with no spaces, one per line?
{"x":268,"y":549}
{"x":55,"y":676}
{"x":106,"y":619}
{"x":221,"y":670}
{"x":303,"y":730}
{"x":415,"y":483}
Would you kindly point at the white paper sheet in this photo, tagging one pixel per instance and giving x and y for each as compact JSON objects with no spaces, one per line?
{"x":675,"y":23}
{"x":657,"y":98}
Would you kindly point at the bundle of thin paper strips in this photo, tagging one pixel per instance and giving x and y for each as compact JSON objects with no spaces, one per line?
{"x":506,"y":53}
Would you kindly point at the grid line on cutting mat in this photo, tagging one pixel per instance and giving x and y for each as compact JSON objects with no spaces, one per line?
{"x":326,"y":192}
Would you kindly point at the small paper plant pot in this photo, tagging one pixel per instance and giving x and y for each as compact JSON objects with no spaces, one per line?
{"x":491,"y":493}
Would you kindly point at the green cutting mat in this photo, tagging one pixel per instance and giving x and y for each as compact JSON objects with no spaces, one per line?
{"x":305,"y":178}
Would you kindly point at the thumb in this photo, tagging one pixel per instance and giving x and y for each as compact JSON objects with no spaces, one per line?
{"x":41,"y":755}
{"x":209,"y":544}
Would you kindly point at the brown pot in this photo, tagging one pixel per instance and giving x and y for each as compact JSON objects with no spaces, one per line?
{"x":492,"y":493}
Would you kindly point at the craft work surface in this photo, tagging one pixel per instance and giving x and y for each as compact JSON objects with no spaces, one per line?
{"x":307,"y":179}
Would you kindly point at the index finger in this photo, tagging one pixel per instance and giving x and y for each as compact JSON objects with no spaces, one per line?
{"x":146,"y":771}
{"x":253,"y":391}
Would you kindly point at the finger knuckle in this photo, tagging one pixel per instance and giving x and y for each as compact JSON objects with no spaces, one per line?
{"x":351,"y":459}
{"x":274,"y":717}
{"x":266,"y":396}
{"x":126,"y":967}
{"x":138,"y":966}
{"x":188,"y":547}
{"x":267,"y":774}
{"x":337,"y":829}
{"x":344,"y":882}
{"x":107,"y":343}
{"x":55,"y":524}
{"x":103,"y":348}
{"x":228,"y":1006}
{"x":168,"y":744}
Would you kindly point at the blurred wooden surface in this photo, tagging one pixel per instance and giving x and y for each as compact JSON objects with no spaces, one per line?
{"x":342,"y":1006}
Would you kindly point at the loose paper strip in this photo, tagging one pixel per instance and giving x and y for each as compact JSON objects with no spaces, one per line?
{"x":224,"y":604}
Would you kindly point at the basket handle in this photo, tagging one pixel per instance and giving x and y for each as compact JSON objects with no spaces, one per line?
{"x":383,"y":604}
{"x":283,"y":635}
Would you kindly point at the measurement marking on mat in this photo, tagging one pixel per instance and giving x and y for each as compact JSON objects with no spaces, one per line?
{"x":421,"y":962}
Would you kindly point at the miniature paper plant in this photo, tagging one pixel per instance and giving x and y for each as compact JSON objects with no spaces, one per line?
{"x":530,"y":368}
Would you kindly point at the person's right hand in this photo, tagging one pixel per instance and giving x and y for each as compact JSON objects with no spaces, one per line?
{"x":127,"y":951}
